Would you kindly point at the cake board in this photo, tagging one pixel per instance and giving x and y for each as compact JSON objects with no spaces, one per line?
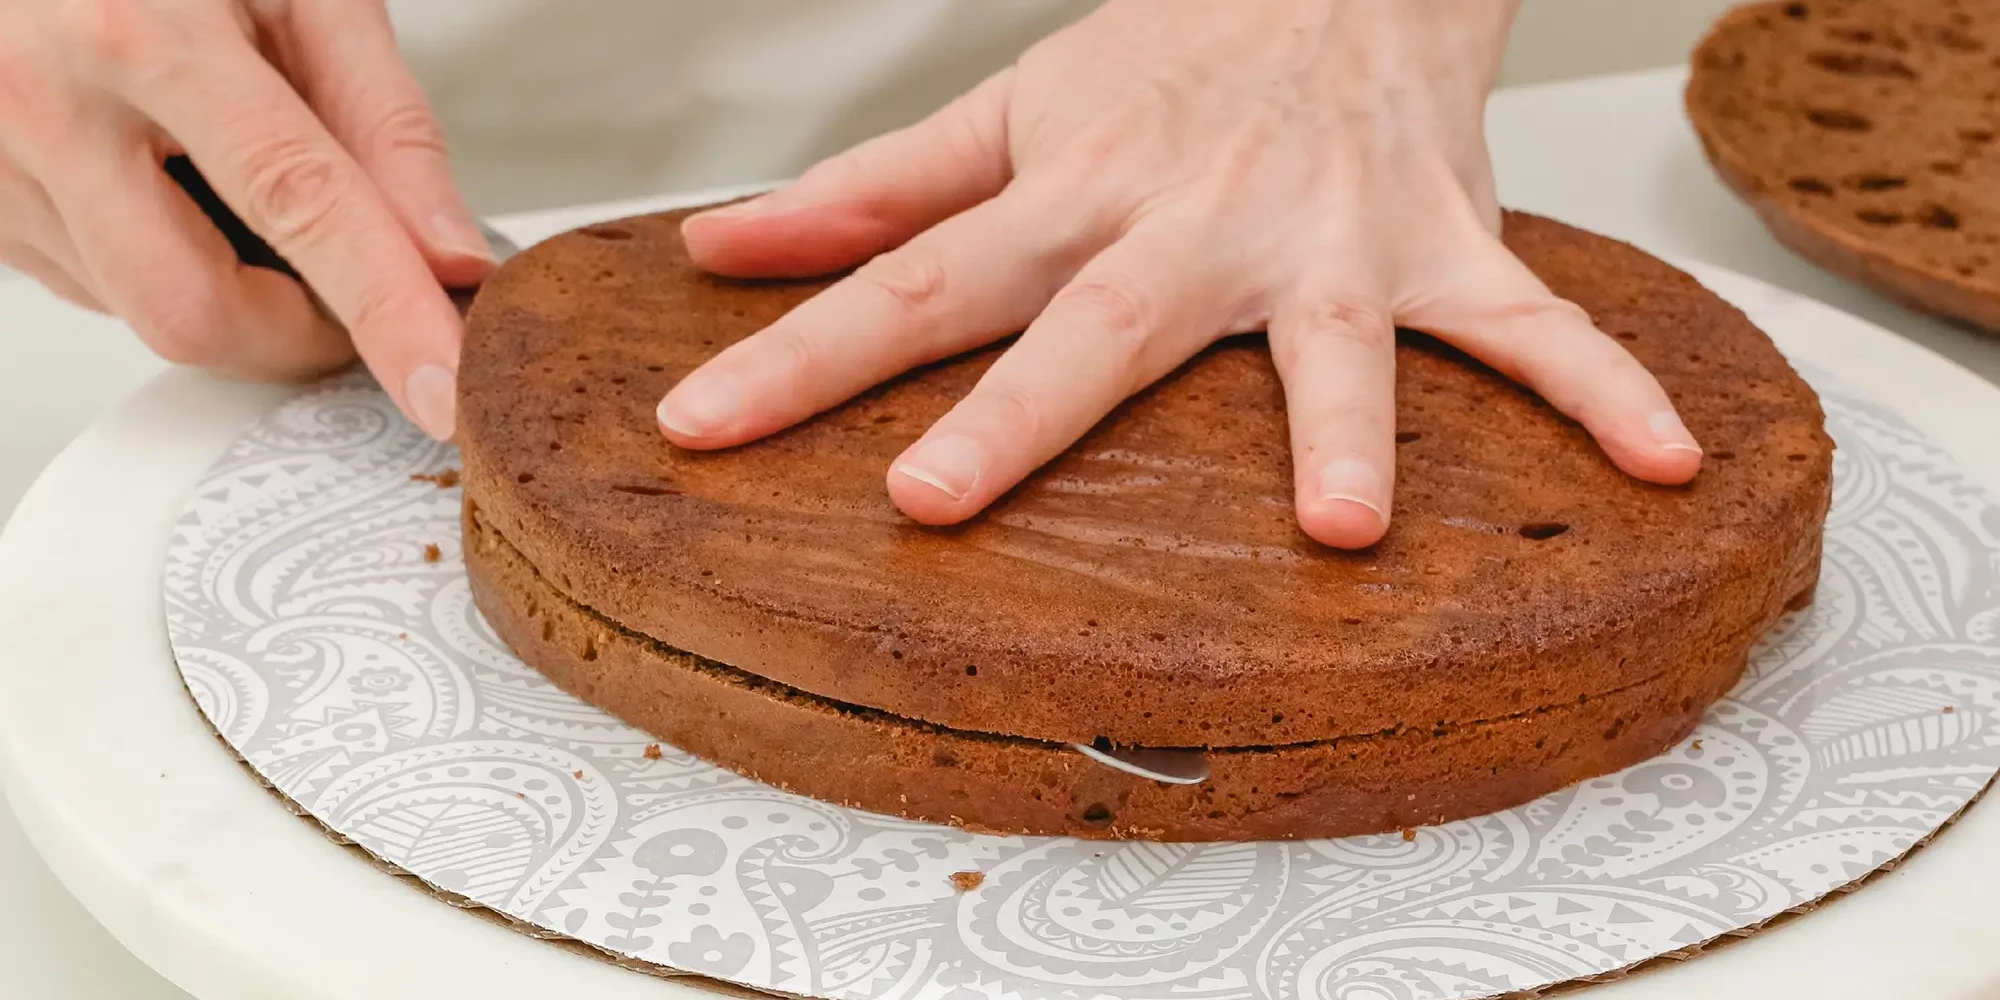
{"x":158,"y":830}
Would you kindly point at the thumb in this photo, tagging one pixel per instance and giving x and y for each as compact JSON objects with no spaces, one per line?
{"x":342,"y":57}
{"x":868,"y":200}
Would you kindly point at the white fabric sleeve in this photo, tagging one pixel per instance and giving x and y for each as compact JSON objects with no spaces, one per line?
{"x":561,"y":103}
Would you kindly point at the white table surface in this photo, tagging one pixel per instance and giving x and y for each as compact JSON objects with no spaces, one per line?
{"x":1611,"y":154}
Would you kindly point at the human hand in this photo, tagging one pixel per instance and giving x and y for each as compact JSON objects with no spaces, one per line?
{"x":304,"y":118}
{"x":1160,"y":175}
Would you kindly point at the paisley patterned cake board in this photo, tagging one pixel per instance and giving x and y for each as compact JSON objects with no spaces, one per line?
{"x":321,"y":618}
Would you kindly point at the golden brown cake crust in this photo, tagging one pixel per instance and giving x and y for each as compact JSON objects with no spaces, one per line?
{"x":1865,"y":135}
{"x":866,"y":759}
{"x":1151,"y":585}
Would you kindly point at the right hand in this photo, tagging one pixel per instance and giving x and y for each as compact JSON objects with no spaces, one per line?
{"x":304,"y":118}
{"x":1157,"y":176}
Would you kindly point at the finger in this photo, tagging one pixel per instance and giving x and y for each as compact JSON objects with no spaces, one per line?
{"x":353,"y":75}
{"x":39,"y":245}
{"x":867,"y":200}
{"x":166,"y":269}
{"x":52,"y":276}
{"x":287,"y":178}
{"x":974,"y":278}
{"x":1496,"y":310}
{"x":1336,"y":354}
{"x":1105,"y":336}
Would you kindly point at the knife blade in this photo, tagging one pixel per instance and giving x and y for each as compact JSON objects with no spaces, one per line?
{"x":1172,"y":767}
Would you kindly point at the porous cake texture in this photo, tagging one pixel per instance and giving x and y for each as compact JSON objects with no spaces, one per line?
{"x":1535,"y":617}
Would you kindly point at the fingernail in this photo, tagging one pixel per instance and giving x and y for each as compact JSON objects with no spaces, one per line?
{"x":1670,"y":434}
{"x":1353,"y":480}
{"x":455,"y":234}
{"x":432,"y":394}
{"x":701,"y":405}
{"x":735,"y":210}
{"x":949,"y":464}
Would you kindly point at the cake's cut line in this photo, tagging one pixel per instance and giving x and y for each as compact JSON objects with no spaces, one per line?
{"x":1171,"y":767}
{"x":736,"y":676}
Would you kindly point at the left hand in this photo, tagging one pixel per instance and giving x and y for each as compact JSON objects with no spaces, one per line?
{"x":1160,"y":175}
{"x":313,"y":131}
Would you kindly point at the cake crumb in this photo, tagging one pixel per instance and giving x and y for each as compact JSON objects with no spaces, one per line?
{"x":1696,"y":745}
{"x":1409,"y":833}
{"x":1948,"y":709}
{"x":442,"y":480}
{"x":579,"y":775}
{"x":523,"y":796}
{"x":968,"y":881}
{"x":652,"y":751}
{"x":432,"y":553}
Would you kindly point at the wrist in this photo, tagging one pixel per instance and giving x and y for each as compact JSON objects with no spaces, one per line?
{"x":1457,"y":42}
{"x":1448,"y":48}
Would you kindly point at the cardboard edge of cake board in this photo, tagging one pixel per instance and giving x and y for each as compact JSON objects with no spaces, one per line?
{"x":724,"y":987}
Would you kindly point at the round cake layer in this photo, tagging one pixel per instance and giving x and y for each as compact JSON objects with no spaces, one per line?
{"x":870,"y":760}
{"x":1863,"y":134}
{"x":1151,"y":585}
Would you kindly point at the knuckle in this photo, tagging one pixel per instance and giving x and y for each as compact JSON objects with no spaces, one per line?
{"x":911,"y":278}
{"x":1605,"y":369}
{"x":1244,"y":154}
{"x":1196,"y":203}
{"x":408,"y":126}
{"x":1014,"y":405}
{"x":378,"y":307}
{"x":851,"y":168}
{"x":1103,"y":145}
{"x":1346,"y":319}
{"x":192,"y":335}
{"x":1539,"y":315}
{"x":1337,"y":322}
{"x":1122,"y":318}
{"x":110,"y":33}
{"x":1098,"y":166}
{"x":294,"y":189}
{"x":966,"y":141}
{"x":128,"y":45}
{"x":1116,"y":307}
{"x":1567,"y":395}
{"x":957,"y":134}
{"x":798,"y":357}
